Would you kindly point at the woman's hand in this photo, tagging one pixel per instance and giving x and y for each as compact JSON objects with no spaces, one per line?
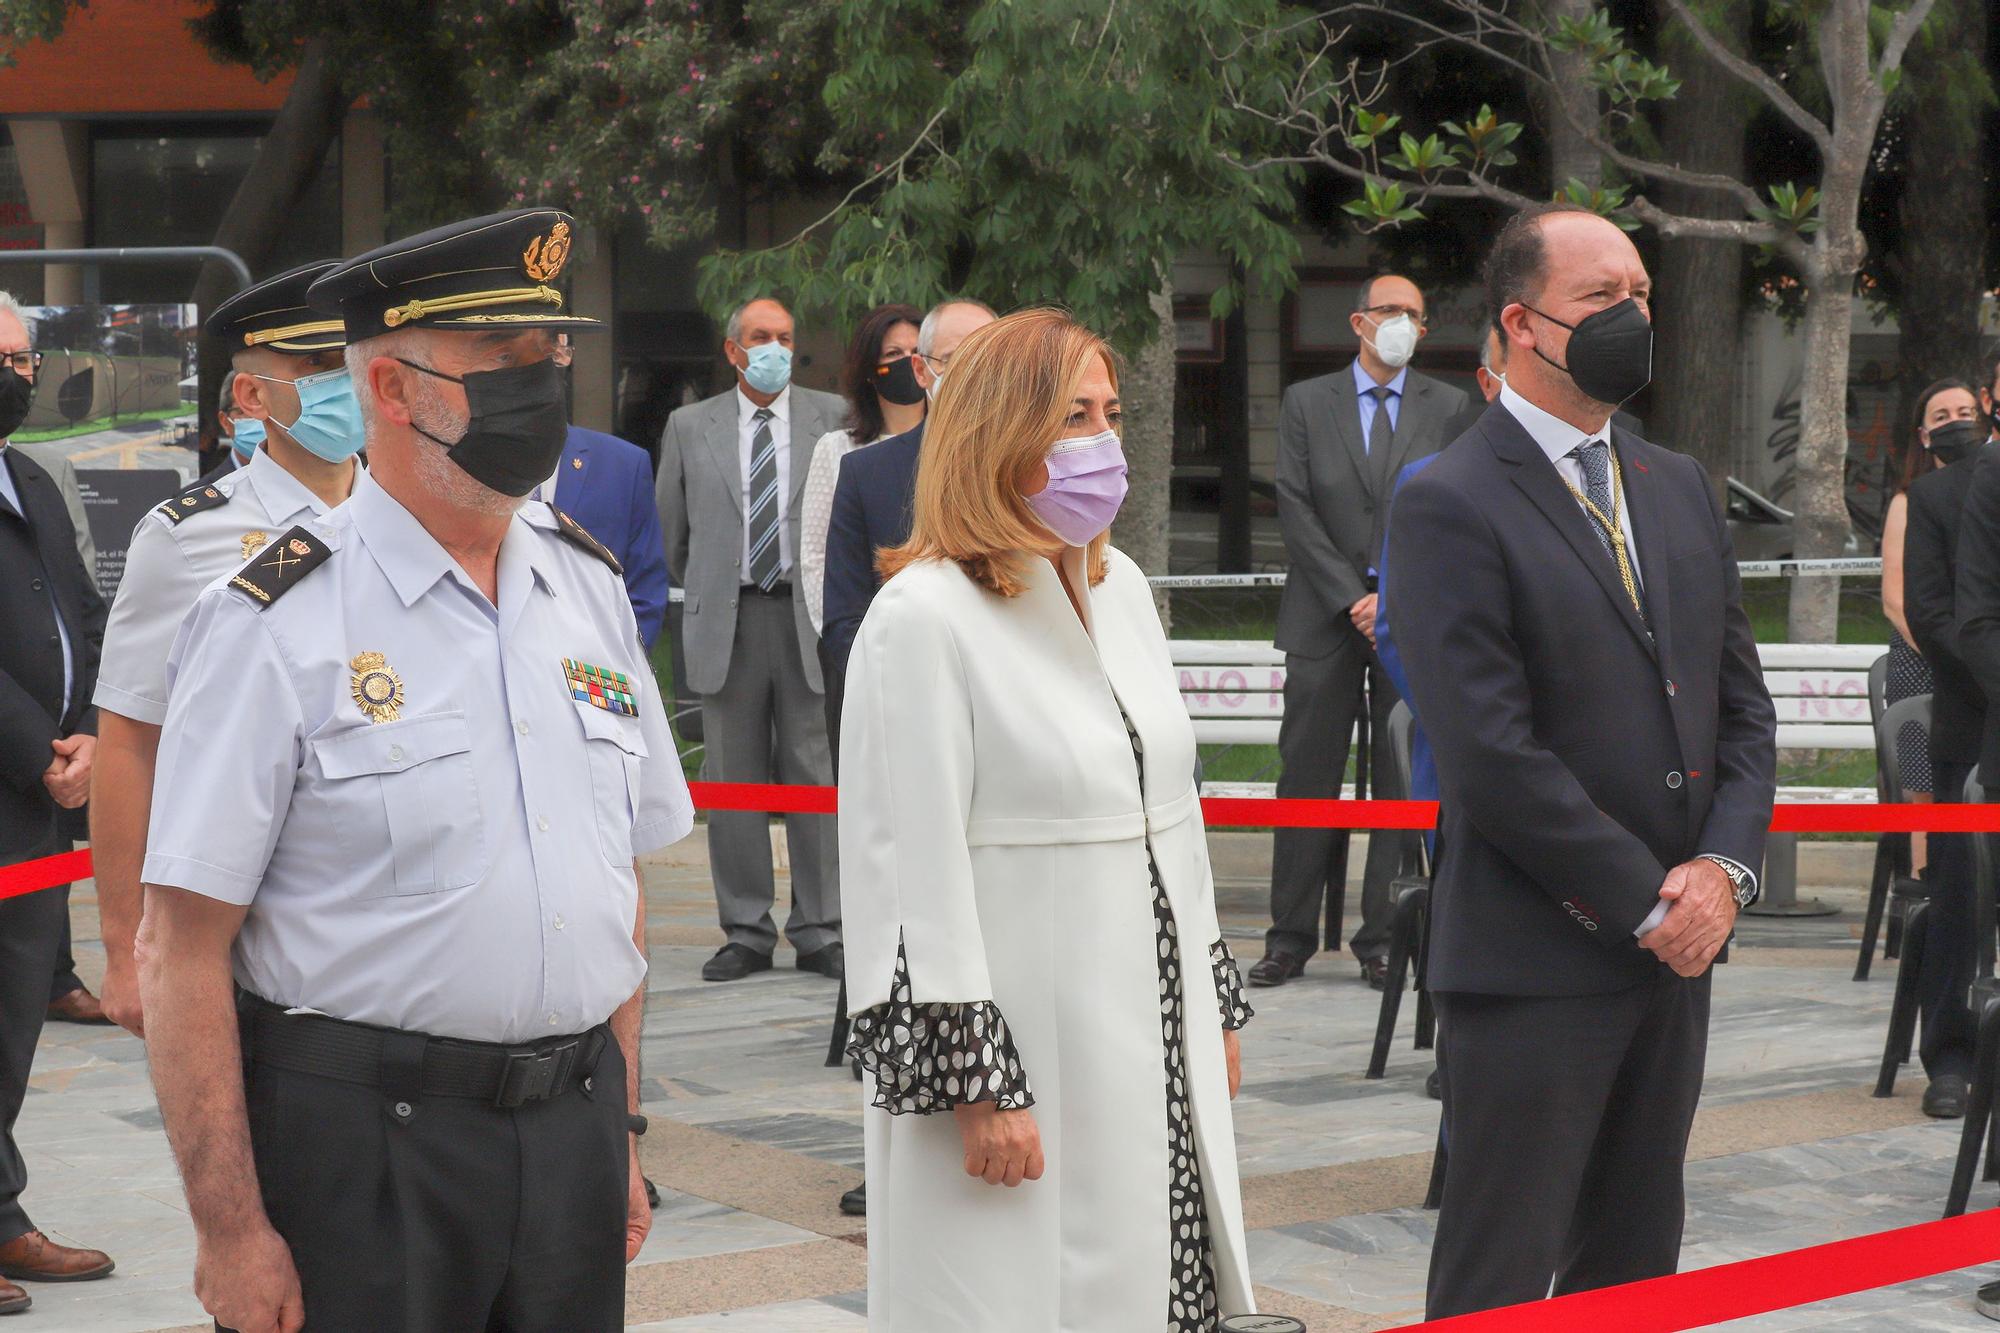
{"x":1001,"y":1147}
{"x":1232,"y":1055}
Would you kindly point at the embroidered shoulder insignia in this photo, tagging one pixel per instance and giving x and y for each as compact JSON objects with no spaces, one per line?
{"x":194,"y":500}
{"x":573,"y":532}
{"x":278,"y":567}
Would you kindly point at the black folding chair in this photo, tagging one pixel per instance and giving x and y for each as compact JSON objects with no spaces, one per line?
{"x":1981,"y":1128}
{"x":1909,"y":893}
{"x":1892,"y":885}
{"x":1410,"y":891}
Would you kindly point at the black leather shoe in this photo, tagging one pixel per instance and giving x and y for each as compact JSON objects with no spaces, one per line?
{"x":1375,"y":971}
{"x":854,"y":1203}
{"x":733,"y":962}
{"x":1987,"y":1301}
{"x":1433,"y":1089}
{"x":828,"y":962}
{"x":1944,"y":1099}
{"x":1275,"y":969}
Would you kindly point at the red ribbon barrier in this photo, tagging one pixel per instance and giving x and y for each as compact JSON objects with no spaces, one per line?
{"x":1753,"y":1286}
{"x":1219,"y":812}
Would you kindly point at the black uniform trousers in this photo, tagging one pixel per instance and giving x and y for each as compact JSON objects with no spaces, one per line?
{"x":466,"y":1218}
{"x":31,"y":932}
{"x":1569,"y":1124}
{"x":1951,"y":939}
{"x":1322,"y":699}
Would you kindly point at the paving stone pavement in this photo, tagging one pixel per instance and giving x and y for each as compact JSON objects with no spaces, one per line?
{"x":754,"y":1140}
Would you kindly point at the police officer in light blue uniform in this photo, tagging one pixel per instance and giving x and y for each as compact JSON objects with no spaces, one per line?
{"x":412,"y":752}
{"x":288,"y":372}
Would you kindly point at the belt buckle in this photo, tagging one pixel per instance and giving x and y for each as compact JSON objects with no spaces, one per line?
{"x":535,"y":1074}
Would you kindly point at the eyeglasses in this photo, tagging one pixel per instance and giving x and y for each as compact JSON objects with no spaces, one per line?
{"x":23,"y":363}
{"x":1386,"y":312}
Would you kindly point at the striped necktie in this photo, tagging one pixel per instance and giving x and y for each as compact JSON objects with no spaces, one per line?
{"x":763,"y":515}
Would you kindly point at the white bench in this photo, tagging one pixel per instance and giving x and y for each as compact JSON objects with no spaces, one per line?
{"x":1235,"y":691}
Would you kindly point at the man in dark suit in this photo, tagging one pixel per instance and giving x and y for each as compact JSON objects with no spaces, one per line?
{"x":1342,"y":439}
{"x":1568,"y":611}
{"x":48,"y":666}
{"x":872,"y":499}
{"x":1958,"y":721}
{"x":606,"y":484}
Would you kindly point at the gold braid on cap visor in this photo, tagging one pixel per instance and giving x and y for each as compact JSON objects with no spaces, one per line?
{"x":293,"y":331}
{"x":396,"y":316}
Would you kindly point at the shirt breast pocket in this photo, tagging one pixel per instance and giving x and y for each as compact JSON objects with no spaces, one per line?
{"x":424,"y":786}
{"x":616,"y":751}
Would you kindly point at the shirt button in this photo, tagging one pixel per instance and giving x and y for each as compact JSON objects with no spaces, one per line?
{"x":395,"y":754}
{"x":559,"y":923}
{"x":552,"y":1020}
{"x":521,"y":727}
{"x":1674,"y":781}
{"x":542,"y":823}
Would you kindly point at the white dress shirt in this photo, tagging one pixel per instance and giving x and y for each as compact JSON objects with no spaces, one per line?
{"x":1557,"y":438}
{"x":12,"y":498}
{"x":168,"y":565}
{"x":463,"y":870}
{"x":781,"y":437}
{"x":1364,"y":392}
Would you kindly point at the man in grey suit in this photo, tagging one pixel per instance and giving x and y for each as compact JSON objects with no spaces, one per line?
{"x":1342,"y":440}
{"x":732,"y":469}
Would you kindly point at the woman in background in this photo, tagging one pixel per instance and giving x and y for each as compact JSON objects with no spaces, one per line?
{"x":883,"y":399}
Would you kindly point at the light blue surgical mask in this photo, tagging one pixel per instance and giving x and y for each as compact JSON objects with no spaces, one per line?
{"x":329,"y":423}
{"x":248,"y":433}
{"x":770,"y":367}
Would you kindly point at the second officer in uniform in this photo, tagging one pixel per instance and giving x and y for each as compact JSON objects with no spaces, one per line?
{"x":291,"y":393}
{"x":412,"y":753}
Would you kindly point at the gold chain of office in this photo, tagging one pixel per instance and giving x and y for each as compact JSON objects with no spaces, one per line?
{"x":1611,"y":527}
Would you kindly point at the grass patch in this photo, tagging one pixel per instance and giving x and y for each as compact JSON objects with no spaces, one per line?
{"x":103,"y":423}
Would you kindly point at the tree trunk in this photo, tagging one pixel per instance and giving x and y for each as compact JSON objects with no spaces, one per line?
{"x":1147,"y":390}
{"x":1698,"y":327}
{"x":1571,"y":156}
{"x":288,"y":158}
{"x":1941,"y":252}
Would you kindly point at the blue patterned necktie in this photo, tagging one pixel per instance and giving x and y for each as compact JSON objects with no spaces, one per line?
{"x":763,"y":515}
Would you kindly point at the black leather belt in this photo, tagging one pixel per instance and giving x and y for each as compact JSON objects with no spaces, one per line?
{"x":506,"y":1076}
{"x":775,"y":590}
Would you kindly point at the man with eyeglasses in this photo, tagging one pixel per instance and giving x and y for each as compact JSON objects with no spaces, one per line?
{"x":294,"y":422}
{"x":1342,"y":439}
{"x":54,"y":623}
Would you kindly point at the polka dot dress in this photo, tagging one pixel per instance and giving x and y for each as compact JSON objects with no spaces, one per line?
{"x":1910,"y":675}
{"x":933,"y":1057}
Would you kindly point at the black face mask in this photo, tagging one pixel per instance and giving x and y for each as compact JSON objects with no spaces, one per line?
{"x":519,"y":422}
{"x":1955,"y":440}
{"x":17,"y":395}
{"x":1610,"y":353}
{"x":897,"y":382}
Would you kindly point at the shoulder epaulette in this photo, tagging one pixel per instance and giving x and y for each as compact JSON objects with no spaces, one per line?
{"x":195,"y":499}
{"x":574,"y":533}
{"x":277,"y":568}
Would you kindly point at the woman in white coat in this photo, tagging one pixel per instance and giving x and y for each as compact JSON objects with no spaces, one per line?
{"x":1038,"y":982}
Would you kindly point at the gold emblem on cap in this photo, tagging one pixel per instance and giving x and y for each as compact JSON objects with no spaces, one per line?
{"x":545,"y":256}
{"x":253,"y":542}
{"x":377,"y":687}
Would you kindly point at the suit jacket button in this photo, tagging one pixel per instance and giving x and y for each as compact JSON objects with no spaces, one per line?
{"x":1674,"y":781}
{"x":1670,"y":689}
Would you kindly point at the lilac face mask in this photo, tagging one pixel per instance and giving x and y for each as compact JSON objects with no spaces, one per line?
{"x":1086,"y":486}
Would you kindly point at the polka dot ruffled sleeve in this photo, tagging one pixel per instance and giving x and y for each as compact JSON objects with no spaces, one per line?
{"x":932,"y":1057}
{"x":1236,"y":1010}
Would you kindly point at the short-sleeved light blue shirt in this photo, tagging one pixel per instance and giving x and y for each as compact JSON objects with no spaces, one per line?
{"x":465,"y":869}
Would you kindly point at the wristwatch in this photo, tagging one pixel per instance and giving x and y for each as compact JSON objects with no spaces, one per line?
{"x":1741,"y":880}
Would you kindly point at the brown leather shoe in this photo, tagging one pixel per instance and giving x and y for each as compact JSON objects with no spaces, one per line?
{"x":33,"y":1257}
{"x":78,"y":1006}
{"x":12,"y":1299}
